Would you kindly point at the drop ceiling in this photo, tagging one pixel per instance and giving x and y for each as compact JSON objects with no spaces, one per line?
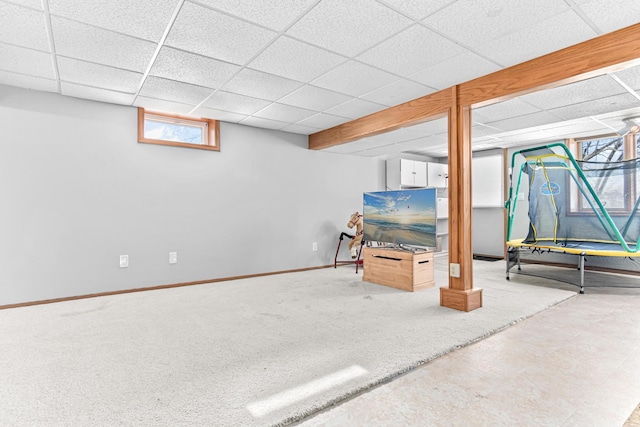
{"x":303,"y":66}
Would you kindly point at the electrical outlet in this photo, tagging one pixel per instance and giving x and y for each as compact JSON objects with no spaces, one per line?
{"x":454,"y":270}
{"x":315,"y":246}
{"x":173,"y":257}
{"x":124,"y":261}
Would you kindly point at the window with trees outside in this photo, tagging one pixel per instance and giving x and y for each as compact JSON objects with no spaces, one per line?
{"x":616,"y":187}
{"x":178,"y":131}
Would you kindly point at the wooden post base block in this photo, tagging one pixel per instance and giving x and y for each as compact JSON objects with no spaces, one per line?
{"x":461,"y":300}
{"x":409,"y":271}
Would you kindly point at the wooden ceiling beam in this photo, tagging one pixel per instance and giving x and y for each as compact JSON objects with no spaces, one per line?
{"x":609,"y":52}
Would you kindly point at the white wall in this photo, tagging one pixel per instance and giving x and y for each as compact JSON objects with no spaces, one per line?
{"x":78,"y":190}
{"x":488,"y":211}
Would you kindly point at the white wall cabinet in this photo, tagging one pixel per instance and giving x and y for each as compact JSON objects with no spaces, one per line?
{"x":437,"y":174}
{"x":405,"y":173}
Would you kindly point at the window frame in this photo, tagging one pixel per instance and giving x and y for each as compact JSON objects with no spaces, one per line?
{"x":628,"y":153}
{"x":212,"y":130}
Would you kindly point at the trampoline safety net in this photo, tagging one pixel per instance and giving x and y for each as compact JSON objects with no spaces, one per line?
{"x":576,"y":201}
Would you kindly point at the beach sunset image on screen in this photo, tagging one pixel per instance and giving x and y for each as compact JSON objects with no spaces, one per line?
{"x":402,"y":217}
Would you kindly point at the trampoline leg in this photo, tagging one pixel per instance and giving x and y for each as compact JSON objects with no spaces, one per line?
{"x":518,"y":255}
{"x":581,"y":268}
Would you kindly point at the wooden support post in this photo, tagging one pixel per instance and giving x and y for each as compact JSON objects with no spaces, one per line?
{"x":460,"y":293}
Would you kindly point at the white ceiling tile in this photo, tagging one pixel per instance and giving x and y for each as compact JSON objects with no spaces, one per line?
{"x":631,"y":77}
{"x":355,"y":108}
{"x":417,"y":9}
{"x":23,"y":27}
{"x":223,"y":116}
{"x":596,"y":106}
{"x":474,"y":23}
{"x":79,"y":91}
{"x":170,"y":90}
{"x":275,"y":14}
{"x":26,"y":61}
{"x":259,"y":122}
{"x":146,"y":19}
{"x":162,"y":106}
{"x":380,"y":151}
{"x":303,"y":130}
{"x":502,"y":110}
{"x":28,"y":82}
{"x":101,"y":46}
{"x":322,"y":121}
{"x":295,"y":60}
{"x":34,"y":4}
{"x":574,"y":93}
{"x":261,"y":85}
{"x":410,"y":51}
{"x":526,"y":121}
{"x":235,"y":103}
{"x":314,"y":98}
{"x":191,"y":68}
{"x":88,"y":74}
{"x":284,"y":113}
{"x":398,"y":92}
{"x":431,"y":127}
{"x":483,"y":131}
{"x":353,"y":78}
{"x":553,"y":34}
{"x":461,"y":68}
{"x":201,"y":30}
{"x":625,"y":13}
{"x":348,"y":27}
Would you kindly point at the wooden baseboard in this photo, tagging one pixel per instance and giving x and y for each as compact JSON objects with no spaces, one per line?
{"x":154,"y":288}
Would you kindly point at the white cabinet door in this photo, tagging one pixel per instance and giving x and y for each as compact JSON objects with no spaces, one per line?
{"x":420,"y":174}
{"x":406,"y":172}
{"x":437,"y":175}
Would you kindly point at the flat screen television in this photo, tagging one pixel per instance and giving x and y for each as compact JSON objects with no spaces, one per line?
{"x":401,"y":217}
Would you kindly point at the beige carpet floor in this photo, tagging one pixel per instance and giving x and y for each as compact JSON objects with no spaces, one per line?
{"x":254,"y":352}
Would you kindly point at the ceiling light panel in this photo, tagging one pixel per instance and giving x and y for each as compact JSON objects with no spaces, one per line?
{"x":146,"y":19}
{"x":484,"y":21}
{"x":398,"y":92}
{"x":284,"y":113}
{"x":356,"y":108}
{"x":599,"y":11}
{"x":235,"y":103}
{"x":170,"y":90}
{"x":295,"y":60}
{"x":79,"y":91}
{"x":452,"y":71}
{"x":191,"y":68}
{"x":163,"y":106}
{"x":26,"y":61}
{"x":417,"y":9}
{"x":595,"y":107}
{"x":101,"y":46}
{"x":410,"y":51}
{"x":555,"y":33}
{"x":348,"y":27}
{"x":574,"y":93}
{"x":23,"y":27}
{"x":261,"y":85}
{"x":89,"y":74}
{"x":353,"y":78}
{"x":314,"y":98}
{"x":275,"y":14}
{"x":28,"y":82}
{"x":201,"y":30}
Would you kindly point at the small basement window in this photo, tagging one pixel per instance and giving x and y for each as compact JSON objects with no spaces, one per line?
{"x":178,"y":131}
